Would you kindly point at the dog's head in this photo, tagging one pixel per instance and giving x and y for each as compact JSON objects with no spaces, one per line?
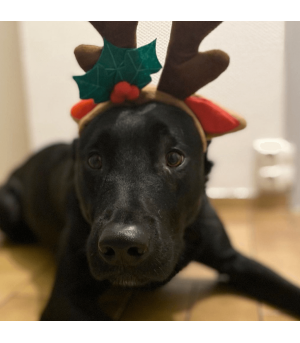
{"x":139,"y":179}
{"x":140,"y":166}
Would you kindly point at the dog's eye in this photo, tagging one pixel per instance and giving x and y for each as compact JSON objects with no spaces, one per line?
{"x":95,"y":161}
{"x":174,"y":159}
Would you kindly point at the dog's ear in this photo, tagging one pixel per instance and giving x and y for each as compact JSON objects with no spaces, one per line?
{"x":75,"y":144}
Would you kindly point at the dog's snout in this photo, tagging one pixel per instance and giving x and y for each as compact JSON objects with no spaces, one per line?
{"x":124,"y":244}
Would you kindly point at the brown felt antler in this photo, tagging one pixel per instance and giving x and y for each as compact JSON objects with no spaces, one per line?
{"x":120,"y":33}
{"x":186,"y":70}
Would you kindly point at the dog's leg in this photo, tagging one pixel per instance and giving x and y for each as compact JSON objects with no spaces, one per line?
{"x":246,"y":275}
{"x":11,"y":218}
{"x":75,"y":293}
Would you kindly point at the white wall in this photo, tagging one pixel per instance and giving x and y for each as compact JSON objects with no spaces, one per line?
{"x":252,"y":85}
{"x":13,"y":126}
{"x":292,"y":77}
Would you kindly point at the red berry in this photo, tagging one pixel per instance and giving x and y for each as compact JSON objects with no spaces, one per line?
{"x":122,"y":88}
{"x":134,"y":93}
{"x":124,"y":91}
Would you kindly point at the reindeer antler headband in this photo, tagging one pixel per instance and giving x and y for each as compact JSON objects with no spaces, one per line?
{"x":119,"y":72}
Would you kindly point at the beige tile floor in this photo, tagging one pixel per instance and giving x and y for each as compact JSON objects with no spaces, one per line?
{"x":263,"y":229}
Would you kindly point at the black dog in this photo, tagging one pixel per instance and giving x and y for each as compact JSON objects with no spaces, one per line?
{"x":126,"y":205}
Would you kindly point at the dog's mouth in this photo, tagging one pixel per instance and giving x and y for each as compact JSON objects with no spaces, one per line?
{"x":123,"y":277}
{"x":127,"y":280}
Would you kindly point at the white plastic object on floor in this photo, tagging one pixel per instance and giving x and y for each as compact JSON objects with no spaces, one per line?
{"x":274,"y":165}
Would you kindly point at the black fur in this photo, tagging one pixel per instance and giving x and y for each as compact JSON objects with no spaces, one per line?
{"x":58,"y":199}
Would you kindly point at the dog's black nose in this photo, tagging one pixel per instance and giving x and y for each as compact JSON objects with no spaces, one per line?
{"x":124,"y":244}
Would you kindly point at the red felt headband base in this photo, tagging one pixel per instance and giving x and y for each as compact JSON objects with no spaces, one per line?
{"x":210,"y":119}
{"x":214,"y":119}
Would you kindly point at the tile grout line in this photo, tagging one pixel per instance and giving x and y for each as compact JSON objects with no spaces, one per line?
{"x":123,"y":307}
{"x":190,"y":303}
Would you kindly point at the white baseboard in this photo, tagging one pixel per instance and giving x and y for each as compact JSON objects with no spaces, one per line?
{"x":230,"y":193}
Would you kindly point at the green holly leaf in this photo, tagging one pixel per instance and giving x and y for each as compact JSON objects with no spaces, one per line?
{"x":140,"y":64}
{"x":149,"y":58}
{"x":92,"y":85}
{"x":118,"y":64}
